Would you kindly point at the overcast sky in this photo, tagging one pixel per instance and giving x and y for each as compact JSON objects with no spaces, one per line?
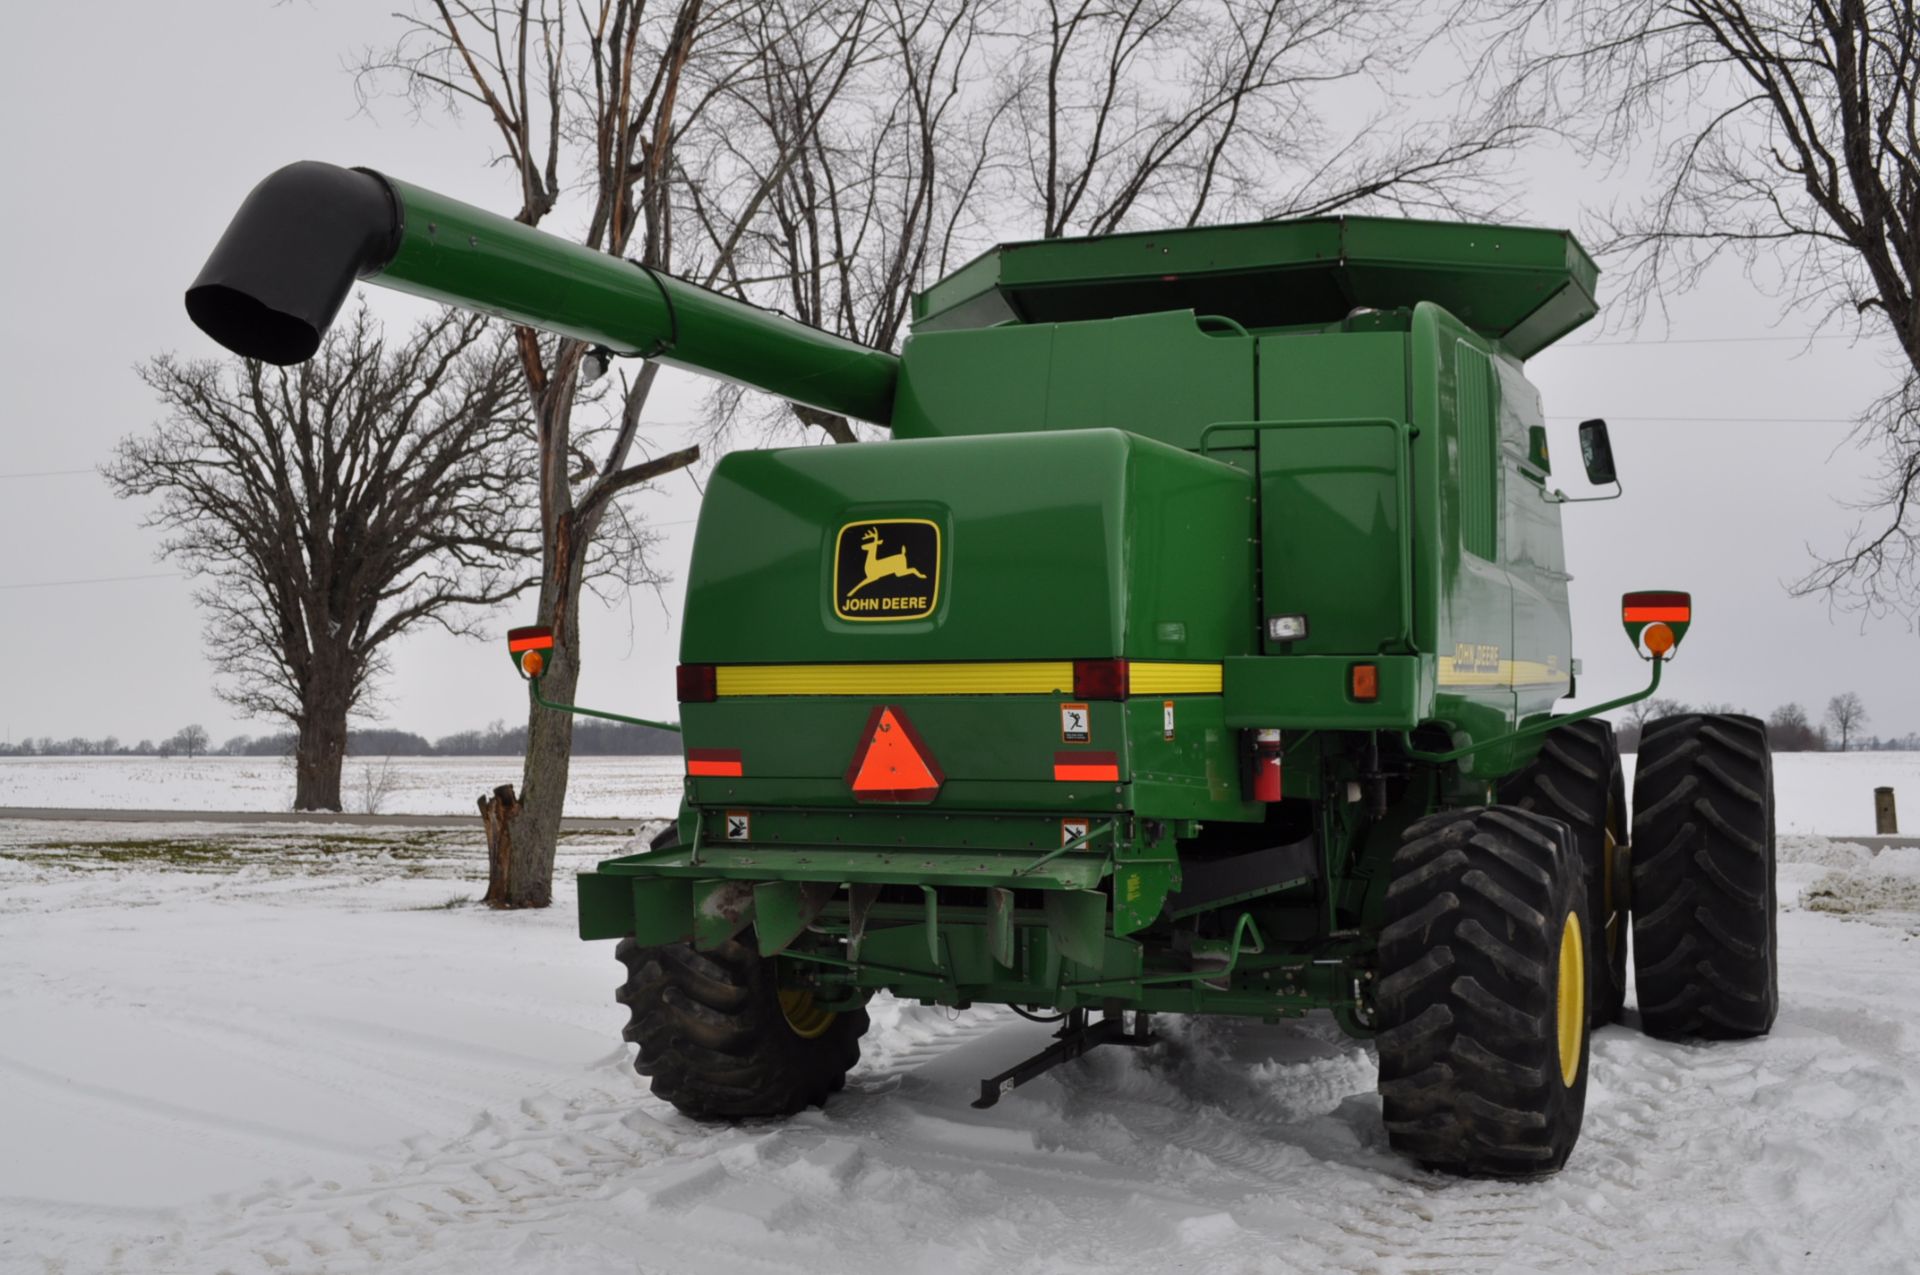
{"x":126,"y":163}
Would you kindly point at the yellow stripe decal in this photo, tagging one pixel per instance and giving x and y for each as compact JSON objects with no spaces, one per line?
{"x":1512,"y":673}
{"x":1173,"y":679}
{"x":1027,"y":677}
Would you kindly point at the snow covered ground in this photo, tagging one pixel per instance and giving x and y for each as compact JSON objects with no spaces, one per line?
{"x":1826,"y":793}
{"x":232,"y":1049}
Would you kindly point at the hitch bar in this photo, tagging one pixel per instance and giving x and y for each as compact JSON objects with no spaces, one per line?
{"x":1071,"y":1041}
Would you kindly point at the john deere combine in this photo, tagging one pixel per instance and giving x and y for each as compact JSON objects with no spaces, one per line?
{"x":1193,"y":647}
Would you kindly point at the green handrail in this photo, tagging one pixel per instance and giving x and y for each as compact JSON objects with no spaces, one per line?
{"x":533,"y":689}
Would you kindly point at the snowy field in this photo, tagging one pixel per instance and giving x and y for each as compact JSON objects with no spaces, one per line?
{"x":239,"y":1050}
{"x":1826,"y":793}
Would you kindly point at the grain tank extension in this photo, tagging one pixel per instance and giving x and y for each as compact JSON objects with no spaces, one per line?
{"x":1195,"y":645}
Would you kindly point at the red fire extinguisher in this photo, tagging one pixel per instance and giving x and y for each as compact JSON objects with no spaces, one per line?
{"x":1266,"y":765}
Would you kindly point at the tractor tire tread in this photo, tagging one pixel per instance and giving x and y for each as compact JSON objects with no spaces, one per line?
{"x":1706,"y":962}
{"x":714,"y":1041}
{"x":1470,"y":1081}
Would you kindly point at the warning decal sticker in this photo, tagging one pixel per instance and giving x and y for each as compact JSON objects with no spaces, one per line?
{"x":1075,"y":724}
{"x":739,"y":826}
{"x":887,"y":569}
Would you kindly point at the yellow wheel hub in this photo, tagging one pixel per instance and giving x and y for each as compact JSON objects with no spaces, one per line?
{"x":806,"y":1018}
{"x":1571,"y":999}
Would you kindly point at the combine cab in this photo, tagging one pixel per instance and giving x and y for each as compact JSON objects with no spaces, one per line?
{"x":1193,"y":647}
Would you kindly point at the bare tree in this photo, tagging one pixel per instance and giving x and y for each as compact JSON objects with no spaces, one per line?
{"x":1789,"y":731}
{"x":873,"y":152}
{"x":1846,"y":714}
{"x":330,"y":507}
{"x":1173,"y":112}
{"x":191,"y":740}
{"x":616,"y":100}
{"x":1782,"y":136}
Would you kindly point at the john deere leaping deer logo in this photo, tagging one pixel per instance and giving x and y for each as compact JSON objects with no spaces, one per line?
{"x":887,"y":569}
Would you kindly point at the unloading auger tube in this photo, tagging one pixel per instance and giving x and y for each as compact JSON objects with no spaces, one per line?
{"x":284,"y":267}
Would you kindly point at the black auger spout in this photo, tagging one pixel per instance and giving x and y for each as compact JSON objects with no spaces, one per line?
{"x":279,"y":275}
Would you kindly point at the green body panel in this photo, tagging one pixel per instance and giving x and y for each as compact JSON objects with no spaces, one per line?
{"x":1054,"y":546}
{"x":1109,"y":374}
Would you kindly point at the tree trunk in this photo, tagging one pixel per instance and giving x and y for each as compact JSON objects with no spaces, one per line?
{"x":319,"y":749}
{"x":523,"y":831}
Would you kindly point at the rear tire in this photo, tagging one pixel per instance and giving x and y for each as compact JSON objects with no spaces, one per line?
{"x":1577,"y":779}
{"x":721,"y":1041}
{"x":1482,"y":996}
{"x":1706,"y":957}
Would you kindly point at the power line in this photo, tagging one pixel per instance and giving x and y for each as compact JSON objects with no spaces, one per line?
{"x":1732,"y":420}
{"x":1703,"y":340}
{"x":60,"y":584}
{"x":50,"y":473}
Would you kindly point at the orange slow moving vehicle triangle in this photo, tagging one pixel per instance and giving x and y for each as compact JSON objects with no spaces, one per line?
{"x":893,"y":763}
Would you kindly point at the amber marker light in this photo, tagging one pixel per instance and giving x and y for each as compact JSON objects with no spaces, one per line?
{"x":1364,"y":682}
{"x":1658,"y":637}
{"x":532,"y":663}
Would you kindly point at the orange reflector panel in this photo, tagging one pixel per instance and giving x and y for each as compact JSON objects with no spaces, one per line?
{"x":1644,"y":615}
{"x":538,"y":638}
{"x":715,"y":763}
{"x":1364,"y":683}
{"x":893,"y":763}
{"x":1086,"y":768}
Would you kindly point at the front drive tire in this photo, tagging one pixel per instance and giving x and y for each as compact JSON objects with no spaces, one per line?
{"x":721,"y":1041}
{"x":1706,"y":957}
{"x":1482,"y":999}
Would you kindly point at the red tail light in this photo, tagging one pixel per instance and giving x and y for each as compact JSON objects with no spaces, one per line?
{"x":697,"y":683}
{"x":1099,"y":679}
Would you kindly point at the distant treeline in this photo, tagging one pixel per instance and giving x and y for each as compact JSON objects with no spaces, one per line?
{"x":590,"y":739}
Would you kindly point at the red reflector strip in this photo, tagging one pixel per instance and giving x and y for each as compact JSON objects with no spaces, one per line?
{"x":714,"y":763}
{"x":538,"y":642}
{"x":1648,"y":615}
{"x":1085,"y":768}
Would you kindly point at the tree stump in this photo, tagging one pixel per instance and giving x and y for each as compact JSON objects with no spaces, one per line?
{"x":496,"y":814}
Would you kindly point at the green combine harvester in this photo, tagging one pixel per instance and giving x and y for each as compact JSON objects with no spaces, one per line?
{"x":1192,"y":648}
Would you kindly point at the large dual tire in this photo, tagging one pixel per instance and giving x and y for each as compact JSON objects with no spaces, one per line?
{"x":1482,"y":996}
{"x":1577,"y":779}
{"x":719,"y":1038}
{"x":1706,"y":956}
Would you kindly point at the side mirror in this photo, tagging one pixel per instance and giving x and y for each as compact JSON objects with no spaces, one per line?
{"x":1656,"y":621}
{"x":528,"y":648}
{"x":1596,"y":450}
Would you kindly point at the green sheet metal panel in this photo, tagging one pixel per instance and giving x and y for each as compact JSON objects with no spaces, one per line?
{"x":1152,"y":374}
{"x":1333,"y":505}
{"x":1157,"y":375}
{"x":990,"y":381}
{"x":1463,"y":601}
{"x":1083,"y":544}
